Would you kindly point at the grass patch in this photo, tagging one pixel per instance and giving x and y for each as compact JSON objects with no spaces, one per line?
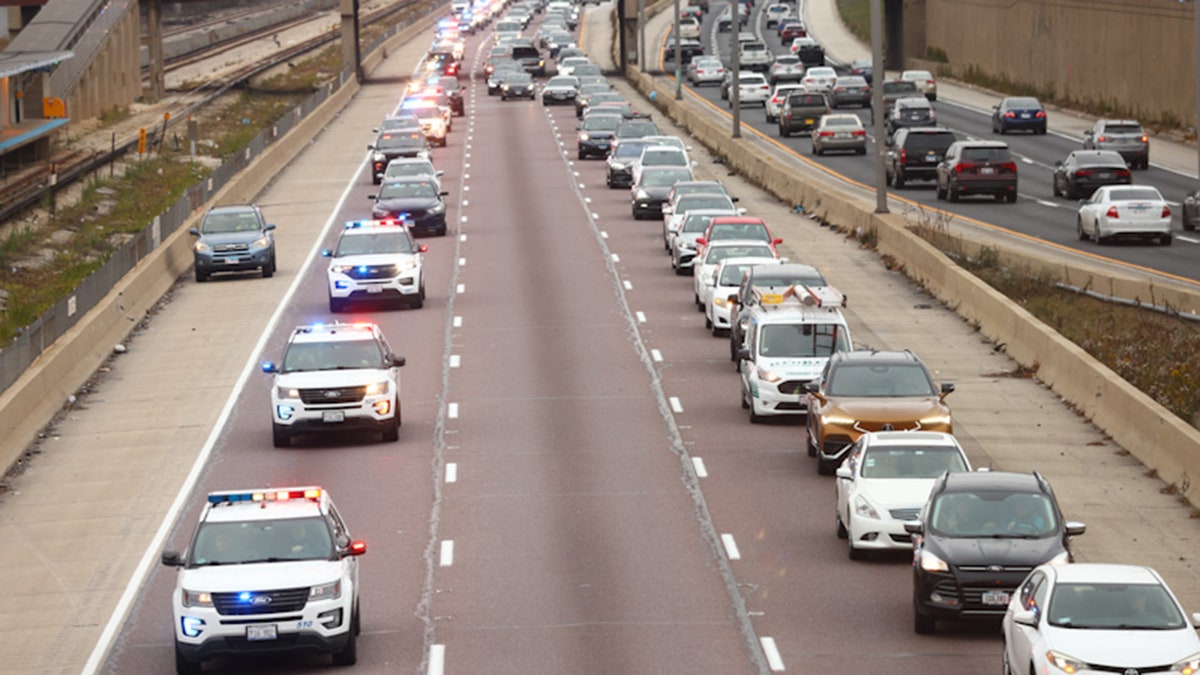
{"x":856,"y":14}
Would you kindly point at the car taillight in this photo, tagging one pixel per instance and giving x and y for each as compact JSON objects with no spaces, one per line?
{"x":1112,"y":212}
{"x":1010,"y":114}
{"x":839,"y":89}
{"x":903,"y":156}
{"x":1166,"y":212}
{"x":1103,"y":139}
{"x":1123,"y":173}
{"x":1083,"y":173}
{"x":963,"y":167}
{"x":1040,"y":114}
{"x":1008,"y":167}
{"x":825,"y":134}
{"x":776,"y":100}
{"x":860,"y":132}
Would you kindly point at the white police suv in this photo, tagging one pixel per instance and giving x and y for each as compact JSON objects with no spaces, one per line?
{"x":375,"y":260}
{"x":789,"y":338}
{"x":333,"y":378}
{"x":267,"y":570}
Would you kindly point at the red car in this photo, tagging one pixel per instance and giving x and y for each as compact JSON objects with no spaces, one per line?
{"x":736,"y":227}
{"x":789,"y":30}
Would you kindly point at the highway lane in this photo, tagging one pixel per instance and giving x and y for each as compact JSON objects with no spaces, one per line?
{"x":1038,"y":213}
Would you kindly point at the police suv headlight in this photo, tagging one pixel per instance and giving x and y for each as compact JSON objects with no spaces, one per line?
{"x":720,"y":302}
{"x":767,"y":375}
{"x":330,"y":591}
{"x":287,"y":392}
{"x":201,"y":247}
{"x":863,"y":508}
{"x":340,"y":269}
{"x":197,"y":598}
{"x":376,"y":388}
{"x":379,"y":157}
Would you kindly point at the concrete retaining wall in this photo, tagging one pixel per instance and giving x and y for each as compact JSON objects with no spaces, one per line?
{"x":32,"y":402}
{"x":1154,"y":435}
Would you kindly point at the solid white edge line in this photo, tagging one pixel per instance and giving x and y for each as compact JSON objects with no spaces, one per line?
{"x":731,"y":548}
{"x":774,"y":660}
{"x":150,"y":557}
{"x":437,"y":660}
{"x":452,"y":411}
{"x":675,"y":404}
{"x":698,"y":465}
{"x":446,"y":557}
{"x":451,"y":472}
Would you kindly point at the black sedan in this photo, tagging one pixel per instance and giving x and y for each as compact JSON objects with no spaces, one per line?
{"x":518,"y":85}
{"x":416,"y":201}
{"x":650,"y":192}
{"x":1083,"y":171}
{"x":596,"y":134}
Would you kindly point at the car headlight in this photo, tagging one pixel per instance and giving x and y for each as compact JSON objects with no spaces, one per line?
{"x":287,"y":392}
{"x":376,"y":388}
{"x":1065,"y":663}
{"x":932,"y":563}
{"x":261,"y":242}
{"x":837,"y":420}
{"x":197,"y":599}
{"x":330,"y":591}
{"x":863,"y":508}
{"x":1060,"y":559}
{"x":618,"y":166}
{"x":504,"y":86}
{"x":201,"y":247}
{"x":1188,"y":666}
{"x":720,"y":302}
{"x":437,"y":210}
{"x":767,"y":375}
{"x":340,"y":269}
{"x":641,"y":194}
{"x":935,"y":420}
{"x":584,"y":136}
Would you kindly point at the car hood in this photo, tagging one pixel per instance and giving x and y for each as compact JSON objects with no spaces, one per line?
{"x":657,"y":192}
{"x":897,"y":410}
{"x":332,"y":379}
{"x":260,"y":576}
{"x":220,"y":238}
{"x":407,"y":204}
{"x":896,"y":493}
{"x":1014,"y":552}
{"x":1125,"y":648}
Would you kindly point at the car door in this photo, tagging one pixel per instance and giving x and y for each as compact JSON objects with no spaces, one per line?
{"x":746,"y":366}
{"x":1022,"y":639}
{"x":1090,"y":209}
{"x":846,"y":486}
{"x":816,"y":410}
{"x":943,"y":168}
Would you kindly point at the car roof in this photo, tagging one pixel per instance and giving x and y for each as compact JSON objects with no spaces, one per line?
{"x":982,"y":144}
{"x":739,"y":220}
{"x":796,"y":269}
{"x":721,"y":243}
{"x":336,"y":332}
{"x":1107,"y":122}
{"x":235,"y":512}
{"x":1105,"y":573}
{"x":901,"y":438}
{"x":233,"y":208}
{"x":875,"y":356}
{"x":992,"y":480}
{"x":744,"y":260}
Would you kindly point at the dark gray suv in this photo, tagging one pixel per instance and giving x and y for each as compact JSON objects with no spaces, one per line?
{"x":233,"y":239}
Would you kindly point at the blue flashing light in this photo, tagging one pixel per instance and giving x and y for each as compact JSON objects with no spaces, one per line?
{"x":341,"y":285}
{"x":191,"y":626}
{"x":285,"y":412}
{"x":245,"y":596}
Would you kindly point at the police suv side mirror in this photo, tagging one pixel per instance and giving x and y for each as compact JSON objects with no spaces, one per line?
{"x":326,"y":253}
{"x":811,"y":387}
{"x":913,"y":527}
{"x":732,"y":299}
{"x":172,"y":558}
{"x":1074,"y":529}
{"x":371,"y":197}
{"x":423,"y":248}
{"x":398,"y":361}
{"x":357,"y":547}
{"x":443,"y":193}
{"x":370,"y":147}
{"x":269,"y":367}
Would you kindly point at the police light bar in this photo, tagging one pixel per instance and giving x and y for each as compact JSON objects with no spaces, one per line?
{"x":382,"y":222}
{"x":266,"y":495}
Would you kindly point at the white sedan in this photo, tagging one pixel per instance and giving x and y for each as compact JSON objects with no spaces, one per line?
{"x":775,"y":103}
{"x":820,"y":79}
{"x":727,"y":279}
{"x":1125,"y":211}
{"x":752,"y":88}
{"x":1097,"y":618}
{"x":716,"y":251}
{"x":885,"y":481}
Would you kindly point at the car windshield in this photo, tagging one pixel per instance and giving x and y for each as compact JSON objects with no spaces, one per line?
{"x":588,"y":69}
{"x":732,"y":275}
{"x":754,"y":231}
{"x":851,"y":82}
{"x":1114,"y":607}
{"x":399,"y":122}
{"x":785,"y":281}
{"x":1106,"y":158}
{"x":841,"y":122}
{"x":601,"y":122}
{"x":696,"y":224}
{"x":911,"y":461}
{"x":255,"y":541}
{"x":664,"y":177}
{"x":1023,"y":103}
{"x":561,"y":81}
{"x":395,"y":241}
{"x":664,"y":158}
{"x":898,"y":87}
{"x":332,"y":355}
{"x":996,"y":514}
{"x":702,"y":201}
{"x":427,"y":112}
{"x":629,"y":149}
{"x":1134,"y":194}
{"x":518,"y":78}
{"x":809,"y":100}
{"x":409,"y":169}
{"x":880,"y":380}
{"x":399,"y":141}
{"x":1123,"y":129}
{"x":710,"y":187}
{"x":718,"y":253}
{"x":408,"y":190}
{"x":220,"y":223}
{"x":922,"y":142}
{"x":636,"y":129}
{"x":801,"y":340}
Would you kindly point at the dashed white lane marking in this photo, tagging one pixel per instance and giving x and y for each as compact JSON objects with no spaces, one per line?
{"x":698,"y":464}
{"x":466,"y":203}
{"x":627,"y":284}
{"x":458,"y":322}
{"x":451,"y":472}
{"x":587,"y":200}
{"x":641,"y":316}
{"x":1046,"y":203}
{"x":1189,"y":240}
{"x":576,"y":175}
{"x":595,"y":216}
{"x":466,"y":176}
{"x":603,"y":234}
{"x":452,"y":411}
{"x":462,"y":237}
{"x":446,"y":558}
{"x":774,"y":660}
{"x":1027,"y":160}
{"x":463,"y":219}
{"x":676,"y":406}
{"x":467,"y":165}
{"x":466,"y":188}
{"x":656,"y":355}
{"x":437,"y":660}
{"x":731,"y":548}
{"x":455,"y":360}
{"x":462,"y":262}
{"x":616,"y":258}
{"x":582,"y":186}
{"x":460,"y":289}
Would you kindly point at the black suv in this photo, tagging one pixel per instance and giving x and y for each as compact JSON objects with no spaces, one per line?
{"x":979,"y":536}
{"x":764,"y":276}
{"x":529,"y":58}
{"x":914,"y":153}
{"x":233,"y":239}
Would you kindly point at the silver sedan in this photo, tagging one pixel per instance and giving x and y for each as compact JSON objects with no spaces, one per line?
{"x":839,"y":132}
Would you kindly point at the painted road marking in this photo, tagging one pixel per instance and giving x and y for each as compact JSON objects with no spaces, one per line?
{"x":627,"y":284}
{"x":455,"y":360}
{"x":463,"y":219}
{"x":731,"y":548}
{"x":698,"y":464}
{"x":656,"y":355}
{"x":641,"y":316}
{"x":675,"y":404}
{"x":603,"y":234}
{"x":462,"y":288}
{"x":437,"y":660}
{"x":462,"y":262}
{"x":462,"y":237}
{"x":447,"y":554}
{"x":458,"y":322}
{"x":452,"y":411}
{"x":616,"y":258}
{"x":451,"y":473}
{"x":774,"y":660}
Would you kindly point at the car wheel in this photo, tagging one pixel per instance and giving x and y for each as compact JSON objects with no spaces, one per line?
{"x":842,"y":533}
{"x":1012,"y":196}
{"x":280,"y":437}
{"x":201,"y":277}
{"x":1005,"y":666}
{"x":825,"y":467}
{"x":185,"y":667}
{"x":815,"y":150}
{"x":419,"y":301}
{"x":898,"y":180}
{"x":707,"y":322}
{"x":861,"y":151}
{"x":952,"y":192}
{"x":581,"y":155}
{"x":1083,"y":236}
{"x":1187,"y":224}
{"x":336,"y":305}
{"x":755,"y":418}
{"x":854,"y":553}
{"x":1072,"y":192}
{"x":783,"y":132}
{"x":742,"y":397}
{"x":349,"y":654}
{"x":1054,"y":187}
{"x":268,"y":270}
{"x":923,"y":624}
{"x":392,"y":433}
{"x":716,"y":330}
{"x":941,"y":192}
{"x":1165,"y":239}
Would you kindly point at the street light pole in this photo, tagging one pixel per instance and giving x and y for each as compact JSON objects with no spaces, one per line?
{"x":1196,"y":76}
{"x":642,"y":36}
{"x":880,"y":74}
{"x":678,"y":56}
{"x":735,"y":80}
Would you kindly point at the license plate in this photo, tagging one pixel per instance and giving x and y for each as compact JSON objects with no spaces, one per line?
{"x":841,"y":134}
{"x":1105,"y":176}
{"x":932,"y":157}
{"x":1024,"y":116}
{"x":808,"y":121}
{"x":330,"y":416}
{"x":231,"y":261}
{"x":995,"y":598}
{"x":255,"y":633}
{"x":987,"y":170}
{"x":374,"y":289}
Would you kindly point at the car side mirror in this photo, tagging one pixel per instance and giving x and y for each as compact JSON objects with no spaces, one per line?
{"x":947,"y":387}
{"x":1196,"y":620}
{"x":732,"y":299}
{"x":1025,"y":617}
{"x":269,"y":367}
{"x":784,"y":260}
{"x":701,"y":241}
{"x":375,"y":130}
{"x":743,"y":354}
{"x":1088,"y":132}
{"x":443,"y":193}
{"x":370,"y":147}
{"x":326,"y":253}
{"x":914,"y":527}
{"x":357,"y":547}
{"x":735,"y":199}
{"x":1074,"y":529}
{"x":1058,"y":163}
{"x":844,"y":472}
{"x":270,"y":226}
{"x":777,"y":240}
{"x":398,"y":361}
{"x":172,"y":558}
{"x":371,"y":197}
{"x":194,"y":231}
{"x":438,"y":173}
{"x":811,"y":387}
{"x":423,"y":248}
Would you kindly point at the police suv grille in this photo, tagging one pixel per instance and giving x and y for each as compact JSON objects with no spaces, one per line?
{"x":792,"y":386}
{"x":333,"y":395}
{"x":373,"y":272}
{"x":265,"y":602}
{"x":906,"y":514}
{"x":230,"y":248}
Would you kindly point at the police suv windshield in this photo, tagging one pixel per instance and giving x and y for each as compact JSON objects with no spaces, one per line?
{"x":332,"y":355}
{"x":254,"y":541}
{"x":397,"y":241}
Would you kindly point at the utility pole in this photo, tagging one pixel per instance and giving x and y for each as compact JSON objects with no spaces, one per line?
{"x":678,"y":57}
{"x":880,"y":71}
{"x":735,"y":81}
